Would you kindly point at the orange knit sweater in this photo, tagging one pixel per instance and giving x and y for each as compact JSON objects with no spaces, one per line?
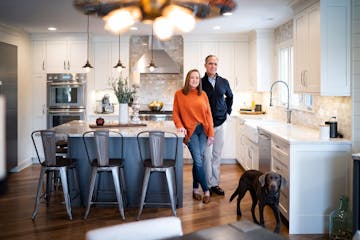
{"x":190,"y":110}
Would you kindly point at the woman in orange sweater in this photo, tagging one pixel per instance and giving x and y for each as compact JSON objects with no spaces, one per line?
{"x":192,"y":116}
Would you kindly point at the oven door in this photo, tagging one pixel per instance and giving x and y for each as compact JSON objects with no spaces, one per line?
{"x":66,"y":95}
{"x":60,"y":116}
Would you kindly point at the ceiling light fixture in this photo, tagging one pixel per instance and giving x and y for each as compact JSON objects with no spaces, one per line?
{"x":152,"y":65}
{"x":87,"y":65}
{"x":119,"y":66}
{"x":167,"y":16}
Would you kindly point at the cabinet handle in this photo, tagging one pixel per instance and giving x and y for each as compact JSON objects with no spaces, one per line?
{"x":68,"y":63}
{"x":43,"y":65}
{"x":302,"y":78}
{"x":43,"y":109}
{"x":305,"y":71}
{"x":64,"y":65}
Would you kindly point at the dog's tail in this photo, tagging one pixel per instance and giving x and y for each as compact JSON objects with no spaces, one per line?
{"x":235,"y":193}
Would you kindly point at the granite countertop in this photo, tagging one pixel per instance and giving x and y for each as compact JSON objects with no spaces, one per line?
{"x":77,"y":127}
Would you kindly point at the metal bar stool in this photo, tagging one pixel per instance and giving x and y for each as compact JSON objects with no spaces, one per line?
{"x":153,"y":142}
{"x":99,"y":141}
{"x":51,"y":163}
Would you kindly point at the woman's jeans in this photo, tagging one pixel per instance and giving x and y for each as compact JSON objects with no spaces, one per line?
{"x":196,"y":145}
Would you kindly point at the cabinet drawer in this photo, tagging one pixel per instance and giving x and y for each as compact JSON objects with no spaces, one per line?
{"x":280,"y":145}
{"x":280,"y":159}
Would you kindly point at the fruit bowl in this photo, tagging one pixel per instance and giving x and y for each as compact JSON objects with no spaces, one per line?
{"x":156,"y":106}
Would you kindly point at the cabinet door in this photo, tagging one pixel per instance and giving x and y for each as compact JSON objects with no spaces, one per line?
{"x":38,"y":49}
{"x":39,"y":111}
{"x":312,"y":77}
{"x":226,"y":65}
{"x":102,"y":61}
{"x":77,"y":56}
{"x":229,"y":143}
{"x":57,"y":57}
{"x":192,"y":57}
{"x":300,"y":50}
{"x":241,"y":67}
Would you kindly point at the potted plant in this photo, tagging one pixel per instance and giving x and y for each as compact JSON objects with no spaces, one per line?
{"x":124,"y":94}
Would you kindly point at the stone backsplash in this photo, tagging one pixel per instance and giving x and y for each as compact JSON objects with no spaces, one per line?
{"x":154,"y":86}
{"x":323,"y":109}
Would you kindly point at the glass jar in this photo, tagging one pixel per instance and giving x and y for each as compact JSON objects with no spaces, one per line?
{"x":340,"y":222}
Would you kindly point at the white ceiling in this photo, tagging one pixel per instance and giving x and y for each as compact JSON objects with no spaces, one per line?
{"x":35,"y":16}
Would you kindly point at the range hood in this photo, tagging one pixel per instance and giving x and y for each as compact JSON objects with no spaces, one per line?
{"x":164,"y":63}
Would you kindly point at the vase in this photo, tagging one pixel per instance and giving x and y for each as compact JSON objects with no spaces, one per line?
{"x":340,"y":222}
{"x":123,"y":113}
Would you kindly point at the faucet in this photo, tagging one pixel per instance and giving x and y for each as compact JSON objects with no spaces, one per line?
{"x":288,"y":111}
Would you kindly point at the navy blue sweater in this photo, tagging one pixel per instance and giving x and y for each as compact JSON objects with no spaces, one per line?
{"x":220,"y":98}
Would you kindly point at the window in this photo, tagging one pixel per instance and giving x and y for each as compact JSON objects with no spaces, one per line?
{"x":299,"y":101}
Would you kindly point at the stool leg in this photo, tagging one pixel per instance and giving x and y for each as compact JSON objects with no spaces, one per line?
{"x":91,"y":191}
{"x":143,"y":192}
{"x":38,"y":194}
{"x":66,"y":190}
{"x":170,"y":177}
{"x":123,"y":185}
{"x":115,"y":174}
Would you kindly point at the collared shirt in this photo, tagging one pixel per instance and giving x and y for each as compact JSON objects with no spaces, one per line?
{"x":212,"y":80}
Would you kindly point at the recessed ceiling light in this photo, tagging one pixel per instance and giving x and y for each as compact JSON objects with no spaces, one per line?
{"x":52,"y":28}
{"x":134,"y":28}
{"x":217,"y":28}
{"x":227,"y":14}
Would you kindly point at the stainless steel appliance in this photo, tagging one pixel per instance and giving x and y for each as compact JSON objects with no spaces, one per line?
{"x":264,"y":151}
{"x":66,"y":98}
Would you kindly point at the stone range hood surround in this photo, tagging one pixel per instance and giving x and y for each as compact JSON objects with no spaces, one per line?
{"x":164,"y":63}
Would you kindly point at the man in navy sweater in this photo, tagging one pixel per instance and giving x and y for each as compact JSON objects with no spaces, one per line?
{"x":221,"y":99}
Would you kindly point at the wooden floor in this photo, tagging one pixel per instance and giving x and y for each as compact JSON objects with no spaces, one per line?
{"x":52,"y":222}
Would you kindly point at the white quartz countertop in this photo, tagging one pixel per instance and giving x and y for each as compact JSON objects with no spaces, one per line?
{"x":295,"y":134}
{"x":77,"y":127}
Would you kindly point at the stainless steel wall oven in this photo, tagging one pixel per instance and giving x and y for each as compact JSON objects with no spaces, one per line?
{"x":66,"y":98}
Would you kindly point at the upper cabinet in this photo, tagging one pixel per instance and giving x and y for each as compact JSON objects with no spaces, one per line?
{"x":66,"y":56}
{"x":261,"y":60}
{"x":322,"y":48}
{"x":232,"y":54}
{"x":307,"y":50}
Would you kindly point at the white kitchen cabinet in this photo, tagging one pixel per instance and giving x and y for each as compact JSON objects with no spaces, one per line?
{"x":233,"y":59}
{"x":325,"y":69}
{"x":38,"y":54}
{"x":38,"y":104}
{"x":307,"y":50}
{"x":229,"y":148}
{"x":261,"y":60}
{"x":66,"y":56}
{"x":335,"y":47}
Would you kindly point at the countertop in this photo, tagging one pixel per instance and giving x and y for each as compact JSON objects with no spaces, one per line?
{"x":77,"y":127}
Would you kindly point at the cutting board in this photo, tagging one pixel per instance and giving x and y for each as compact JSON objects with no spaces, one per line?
{"x":252,"y":113}
{"x":117,"y":125}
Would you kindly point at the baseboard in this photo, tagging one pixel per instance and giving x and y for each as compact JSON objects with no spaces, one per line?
{"x":224,"y":161}
{"x":24,"y":164}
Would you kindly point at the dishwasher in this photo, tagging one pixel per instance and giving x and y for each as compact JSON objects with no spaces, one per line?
{"x":264,"y":151}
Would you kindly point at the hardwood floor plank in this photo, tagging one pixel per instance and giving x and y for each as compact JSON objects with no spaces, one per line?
{"x":52,"y":222}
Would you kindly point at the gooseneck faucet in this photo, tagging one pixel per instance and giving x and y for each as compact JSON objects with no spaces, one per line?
{"x":288,"y":111}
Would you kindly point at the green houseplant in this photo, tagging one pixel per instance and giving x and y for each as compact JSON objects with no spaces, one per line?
{"x":123,"y":91}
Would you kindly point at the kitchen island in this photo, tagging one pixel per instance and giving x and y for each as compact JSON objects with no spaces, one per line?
{"x":134,"y":170}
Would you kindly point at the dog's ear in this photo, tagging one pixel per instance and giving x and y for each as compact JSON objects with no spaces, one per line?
{"x":262,"y":179}
{"x":283,"y":182}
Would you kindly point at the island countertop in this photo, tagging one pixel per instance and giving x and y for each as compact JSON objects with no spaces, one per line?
{"x":77,"y":127}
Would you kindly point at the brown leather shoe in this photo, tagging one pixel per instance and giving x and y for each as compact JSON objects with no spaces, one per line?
{"x":206,"y":199}
{"x":197,"y":196}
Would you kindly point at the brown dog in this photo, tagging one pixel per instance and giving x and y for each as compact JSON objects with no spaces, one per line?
{"x":264,"y":189}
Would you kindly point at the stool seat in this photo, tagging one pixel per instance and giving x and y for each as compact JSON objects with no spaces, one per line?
{"x":167,"y":163}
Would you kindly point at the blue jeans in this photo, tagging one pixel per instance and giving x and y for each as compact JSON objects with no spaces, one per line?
{"x":196,"y":145}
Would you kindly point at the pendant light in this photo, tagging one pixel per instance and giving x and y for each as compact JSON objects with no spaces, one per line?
{"x":119,"y":66}
{"x":152,"y":65}
{"x":87,"y":65}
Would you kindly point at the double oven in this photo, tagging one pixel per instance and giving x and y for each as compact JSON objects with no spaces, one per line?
{"x":66,"y":98}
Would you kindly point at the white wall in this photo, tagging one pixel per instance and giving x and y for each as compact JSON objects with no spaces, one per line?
{"x":20,"y":39}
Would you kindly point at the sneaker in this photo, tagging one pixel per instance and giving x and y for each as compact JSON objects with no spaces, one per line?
{"x":197,"y":196}
{"x":206,"y":199}
{"x":217,"y":190}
